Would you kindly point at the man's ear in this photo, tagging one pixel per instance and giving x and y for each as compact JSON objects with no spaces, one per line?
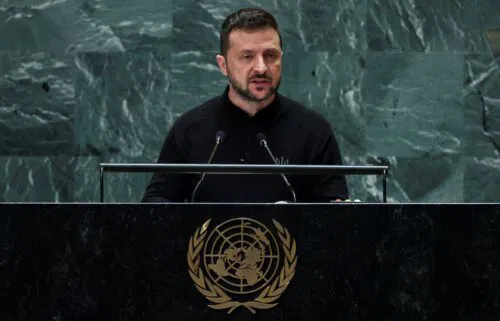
{"x":221,"y":61}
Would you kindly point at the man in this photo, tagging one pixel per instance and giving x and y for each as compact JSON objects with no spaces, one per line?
{"x":250,"y":109}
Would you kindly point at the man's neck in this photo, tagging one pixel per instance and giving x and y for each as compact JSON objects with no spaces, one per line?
{"x":250,"y":107}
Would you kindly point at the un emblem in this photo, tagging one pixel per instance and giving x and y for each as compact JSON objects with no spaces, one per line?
{"x":240,"y":263}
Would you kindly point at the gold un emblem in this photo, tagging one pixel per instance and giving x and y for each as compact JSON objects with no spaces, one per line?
{"x":240,"y":264}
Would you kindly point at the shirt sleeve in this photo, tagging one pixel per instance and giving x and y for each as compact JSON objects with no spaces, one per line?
{"x":167,"y":187}
{"x":330,"y":187}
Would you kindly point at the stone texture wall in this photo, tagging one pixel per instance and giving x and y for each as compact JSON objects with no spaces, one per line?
{"x":408,"y":83}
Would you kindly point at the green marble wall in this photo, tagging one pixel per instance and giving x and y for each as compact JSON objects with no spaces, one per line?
{"x":410,"y":84}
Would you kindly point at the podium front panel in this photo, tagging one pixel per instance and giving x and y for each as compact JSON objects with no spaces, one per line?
{"x":250,"y":262}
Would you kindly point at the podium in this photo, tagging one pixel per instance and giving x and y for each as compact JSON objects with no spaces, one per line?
{"x":342,"y":261}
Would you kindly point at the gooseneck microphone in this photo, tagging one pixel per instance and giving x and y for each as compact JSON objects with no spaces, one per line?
{"x":219,"y":138}
{"x":263,"y":142}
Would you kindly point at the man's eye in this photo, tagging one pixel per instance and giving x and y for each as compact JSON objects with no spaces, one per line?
{"x":247,"y":57}
{"x":271,"y":57}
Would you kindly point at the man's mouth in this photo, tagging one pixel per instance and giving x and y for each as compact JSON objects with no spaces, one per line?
{"x":260,"y":81}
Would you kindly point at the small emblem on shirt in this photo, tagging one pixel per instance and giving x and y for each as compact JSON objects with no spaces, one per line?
{"x":282,"y":160}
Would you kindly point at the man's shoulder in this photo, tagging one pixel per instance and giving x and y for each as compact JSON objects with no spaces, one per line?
{"x":204,"y":111}
{"x":305,"y":117}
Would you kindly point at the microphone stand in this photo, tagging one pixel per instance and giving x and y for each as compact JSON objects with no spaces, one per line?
{"x":263,"y":141}
{"x":219,"y":137}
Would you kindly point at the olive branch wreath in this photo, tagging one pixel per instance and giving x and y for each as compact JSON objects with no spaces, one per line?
{"x":266,"y":299}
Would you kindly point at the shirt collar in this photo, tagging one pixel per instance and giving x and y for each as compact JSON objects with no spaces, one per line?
{"x":269,"y":112}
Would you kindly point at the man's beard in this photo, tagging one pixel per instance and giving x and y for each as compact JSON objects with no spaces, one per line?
{"x":246,"y":94}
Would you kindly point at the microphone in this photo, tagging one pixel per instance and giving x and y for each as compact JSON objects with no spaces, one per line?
{"x":263,"y":142}
{"x":219,"y":137}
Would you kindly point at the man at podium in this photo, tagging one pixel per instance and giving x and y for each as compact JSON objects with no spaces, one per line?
{"x":249,"y":123}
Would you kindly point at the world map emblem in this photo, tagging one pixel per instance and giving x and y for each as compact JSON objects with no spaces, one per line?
{"x":241,"y":263}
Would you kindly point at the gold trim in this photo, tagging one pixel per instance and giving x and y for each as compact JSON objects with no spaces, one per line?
{"x":266,"y":299}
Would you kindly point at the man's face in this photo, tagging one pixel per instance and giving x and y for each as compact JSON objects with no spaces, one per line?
{"x":253,"y":63}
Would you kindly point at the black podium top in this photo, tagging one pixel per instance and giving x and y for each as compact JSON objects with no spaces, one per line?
{"x":250,"y":262}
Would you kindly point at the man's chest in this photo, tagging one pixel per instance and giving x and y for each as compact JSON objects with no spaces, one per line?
{"x":242,"y":146}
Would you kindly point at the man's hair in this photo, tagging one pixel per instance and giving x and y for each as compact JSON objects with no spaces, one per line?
{"x":246,"y":19}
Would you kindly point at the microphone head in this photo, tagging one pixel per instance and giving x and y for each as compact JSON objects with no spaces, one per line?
{"x":220,"y":135}
{"x":261,"y":137}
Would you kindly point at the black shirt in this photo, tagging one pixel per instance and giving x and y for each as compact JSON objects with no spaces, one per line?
{"x":295,"y":134}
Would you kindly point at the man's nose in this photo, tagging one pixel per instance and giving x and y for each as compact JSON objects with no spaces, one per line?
{"x":260,"y":65}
